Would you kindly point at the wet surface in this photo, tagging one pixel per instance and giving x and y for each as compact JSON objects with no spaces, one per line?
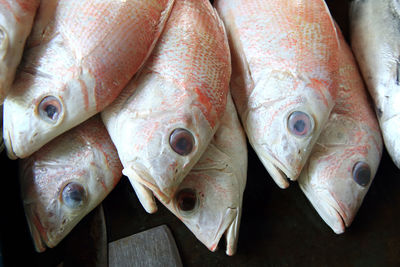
{"x":278,"y":227}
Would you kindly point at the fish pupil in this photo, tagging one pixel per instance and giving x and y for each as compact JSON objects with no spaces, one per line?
{"x":186,"y":200}
{"x":362,"y":173}
{"x":182,"y":144}
{"x":73,"y":195}
{"x":181,"y":141}
{"x":299,"y":126}
{"x":51,"y":111}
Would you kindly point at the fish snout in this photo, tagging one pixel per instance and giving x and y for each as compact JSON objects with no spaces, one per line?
{"x":137,"y":175}
{"x":229,"y":225}
{"x":328,"y":207}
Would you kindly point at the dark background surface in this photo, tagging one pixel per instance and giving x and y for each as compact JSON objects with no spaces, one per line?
{"x":278,"y":227}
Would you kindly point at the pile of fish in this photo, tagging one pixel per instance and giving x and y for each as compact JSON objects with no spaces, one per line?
{"x":172,"y":83}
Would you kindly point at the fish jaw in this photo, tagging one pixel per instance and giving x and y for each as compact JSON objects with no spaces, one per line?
{"x":226,"y":226}
{"x":327,"y":207}
{"x":232,"y":235}
{"x":34,"y":226}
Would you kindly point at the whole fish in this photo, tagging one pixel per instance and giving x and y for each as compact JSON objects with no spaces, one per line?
{"x":376,"y":44}
{"x":79,"y":57}
{"x":284,"y":76}
{"x":16,"y":19}
{"x":165,"y":118}
{"x":209,"y":199}
{"x":66,"y":179}
{"x":346,"y":156}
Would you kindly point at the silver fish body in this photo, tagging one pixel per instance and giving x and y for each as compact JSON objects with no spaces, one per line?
{"x":345,"y":158}
{"x":375,"y":39}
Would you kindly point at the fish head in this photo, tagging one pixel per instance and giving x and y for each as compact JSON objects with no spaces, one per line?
{"x":209,"y":200}
{"x":59,"y":187}
{"x":340,"y":170}
{"x":34,"y":117}
{"x":160,"y":133}
{"x":284,"y":124}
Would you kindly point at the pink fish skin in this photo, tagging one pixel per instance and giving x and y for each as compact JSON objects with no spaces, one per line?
{"x":349,"y":145}
{"x":284,"y":77}
{"x":83,"y":163}
{"x":183,"y":86}
{"x":16,"y":19}
{"x":79,"y":57}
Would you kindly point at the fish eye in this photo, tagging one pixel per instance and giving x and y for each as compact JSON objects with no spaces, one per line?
{"x":3,"y":37}
{"x":361,"y":173}
{"x":300,"y":123}
{"x":50,"y":109}
{"x":186,"y":200}
{"x":181,"y":141}
{"x":73,"y":195}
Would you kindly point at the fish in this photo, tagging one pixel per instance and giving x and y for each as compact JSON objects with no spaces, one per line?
{"x":16,"y":20}
{"x":284,"y":77}
{"x":78,"y":58}
{"x":66,"y":179}
{"x":374,"y":31}
{"x":209,"y":199}
{"x":345,"y":158}
{"x":163,"y":121}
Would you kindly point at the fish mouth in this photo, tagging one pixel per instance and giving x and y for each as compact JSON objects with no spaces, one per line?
{"x":8,"y":144}
{"x":36,"y":228}
{"x":140,"y":182}
{"x":327,"y":207}
{"x":276,"y":171}
{"x":145,"y":196}
{"x":229,"y":226}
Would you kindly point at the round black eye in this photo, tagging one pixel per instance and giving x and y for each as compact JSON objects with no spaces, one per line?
{"x":300,"y":123}
{"x":50,"y":109}
{"x":73,"y":195}
{"x":181,"y":141}
{"x":361,"y":173}
{"x":186,"y":199}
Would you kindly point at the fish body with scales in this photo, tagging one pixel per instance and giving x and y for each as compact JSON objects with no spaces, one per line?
{"x":78,"y":58}
{"x":375,"y":39}
{"x":284,"y":77}
{"x":346,"y":156}
{"x":66,"y":179}
{"x":181,"y":88}
{"x":16,"y":19}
